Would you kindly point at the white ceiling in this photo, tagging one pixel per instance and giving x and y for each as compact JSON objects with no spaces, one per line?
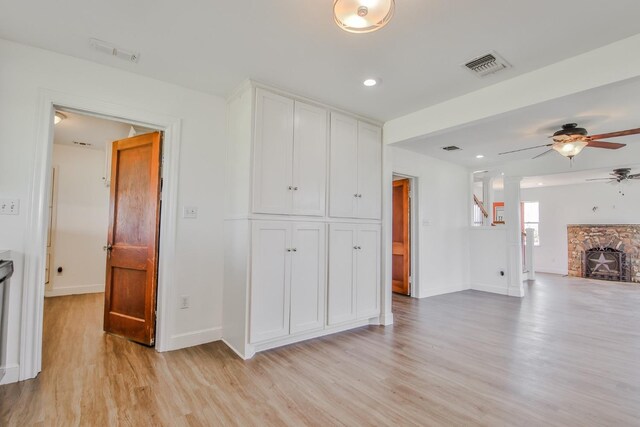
{"x":214,"y":45}
{"x":91,"y":130}
{"x":605,"y":109}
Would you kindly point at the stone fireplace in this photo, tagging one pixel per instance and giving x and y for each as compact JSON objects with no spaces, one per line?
{"x":606,"y":252}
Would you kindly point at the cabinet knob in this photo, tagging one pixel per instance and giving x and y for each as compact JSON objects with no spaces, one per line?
{"x":355,"y":195}
{"x":360,"y":196}
{"x":288,"y":249}
{"x":295,"y":249}
{"x":290,"y":187}
{"x":295,"y":188}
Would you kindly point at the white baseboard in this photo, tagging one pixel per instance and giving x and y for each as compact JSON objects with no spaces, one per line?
{"x":74,"y":290}
{"x":490,"y":288}
{"x":561,"y":272}
{"x":191,"y":339}
{"x":442,"y":290}
{"x":11,"y":374}
{"x":386,"y":319}
{"x":249,"y":348}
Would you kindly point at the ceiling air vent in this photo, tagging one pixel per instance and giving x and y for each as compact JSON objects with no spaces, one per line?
{"x":111,"y":49}
{"x":487,"y":64}
{"x":82,"y":144}
{"x":451,"y":148}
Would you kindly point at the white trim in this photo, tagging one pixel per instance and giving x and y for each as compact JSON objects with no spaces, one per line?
{"x":501,"y":290}
{"x":442,"y":290}
{"x":250,"y":351}
{"x":558,"y":271}
{"x":191,"y":339}
{"x":74,"y":290}
{"x":37,"y":212}
{"x":11,"y":374}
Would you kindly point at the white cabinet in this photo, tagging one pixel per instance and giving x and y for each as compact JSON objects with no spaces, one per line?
{"x":354,"y":272}
{"x":356,"y":168}
{"x":287,"y":279}
{"x":290,"y":153}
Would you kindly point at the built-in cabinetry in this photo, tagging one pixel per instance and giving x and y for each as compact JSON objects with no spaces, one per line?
{"x":302,"y":222}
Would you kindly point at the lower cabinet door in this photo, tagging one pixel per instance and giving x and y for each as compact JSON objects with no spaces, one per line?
{"x":342,"y":289}
{"x":307,"y":277}
{"x":270,"y":280}
{"x":368,"y":271}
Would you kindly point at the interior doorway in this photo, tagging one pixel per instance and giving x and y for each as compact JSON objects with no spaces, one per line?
{"x":104,"y":221}
{"x":401,"y":236}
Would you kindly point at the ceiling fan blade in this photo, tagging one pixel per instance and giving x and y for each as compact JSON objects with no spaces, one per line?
{"x":542,"y":154}
{"x":615,"y":134}
{"x":524,"y":149}
{"x":634,"y":176}
{"x":604,"y":144}
{"x":601,"y":179}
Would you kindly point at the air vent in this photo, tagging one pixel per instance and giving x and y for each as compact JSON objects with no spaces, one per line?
{"x":451,"y":148}
{"x":487,"y":64}
{"x":82,"y":144}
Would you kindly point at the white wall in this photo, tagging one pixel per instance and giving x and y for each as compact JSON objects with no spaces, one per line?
{"x":444,"y":196}
{"x":488,"y":246}
{"x":81,"y":220}
{"x":199,"y":248}
{"x":573,"y":204}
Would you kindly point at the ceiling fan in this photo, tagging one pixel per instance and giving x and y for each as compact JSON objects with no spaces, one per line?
{"x":619,"y":175}
{"x":570,"y":140}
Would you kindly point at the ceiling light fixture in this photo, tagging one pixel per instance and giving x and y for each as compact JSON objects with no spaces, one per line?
{"x":540,"y":183}
{"x":362,"y":16}
{"x":58,"y":118}
{"x":370,"y":82}
{"x":569,"y":148}
{"x":480,"y":156}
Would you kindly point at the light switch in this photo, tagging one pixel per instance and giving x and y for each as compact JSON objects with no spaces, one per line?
{"x":9,"y":207}
{"x":190,"y":212}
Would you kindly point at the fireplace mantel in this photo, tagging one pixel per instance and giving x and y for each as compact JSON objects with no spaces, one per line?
{"x":622,"y":237}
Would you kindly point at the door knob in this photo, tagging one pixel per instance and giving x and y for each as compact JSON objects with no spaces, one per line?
{"x":108,"y":247}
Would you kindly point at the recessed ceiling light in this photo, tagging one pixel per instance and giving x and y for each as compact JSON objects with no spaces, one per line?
{"x":480,"y":156}
{"x":370,"y":82}
{"x":540,"y":183}
{"x":58,"y":118}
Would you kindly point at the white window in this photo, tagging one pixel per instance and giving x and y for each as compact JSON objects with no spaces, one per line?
{"x":532,"y":219}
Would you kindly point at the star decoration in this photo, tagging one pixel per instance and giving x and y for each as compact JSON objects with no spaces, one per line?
{"x":602,"y":262}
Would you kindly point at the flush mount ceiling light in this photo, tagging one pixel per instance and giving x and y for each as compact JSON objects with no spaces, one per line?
{"x":370,"y":82}
{"x":362,"y":16}
{"x":58,"y":118}
{"x":480,"y":156}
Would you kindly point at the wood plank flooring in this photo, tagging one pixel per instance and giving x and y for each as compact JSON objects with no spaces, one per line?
{"x":568,"y":354}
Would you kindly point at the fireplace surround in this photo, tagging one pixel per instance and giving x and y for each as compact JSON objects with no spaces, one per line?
{"x":606,"y":252}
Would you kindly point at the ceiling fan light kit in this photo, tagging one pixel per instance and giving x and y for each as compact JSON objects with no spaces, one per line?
{"x":362,"y":16}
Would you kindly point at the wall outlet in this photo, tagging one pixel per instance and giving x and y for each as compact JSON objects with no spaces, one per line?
{"x":9,"y":207}
{"x":184,"y":301}
{"x":190,"y":212}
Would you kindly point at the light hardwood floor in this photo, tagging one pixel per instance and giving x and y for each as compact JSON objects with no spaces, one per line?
{"x":568,"y":354}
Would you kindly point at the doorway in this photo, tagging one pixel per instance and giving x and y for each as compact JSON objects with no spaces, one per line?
{"x":401,"y":236}
{"x":104,"y":220}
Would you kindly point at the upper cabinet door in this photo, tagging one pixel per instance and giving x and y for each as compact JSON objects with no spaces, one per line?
{"x":273,"y":154}
{"x":369,"y":171}
{"x":368,"y":271}
{"x":307,"y":277}
{"x":270,"y":280}
{"x":341,"y":305}
{"x":343,"y":189}
{"x":309,"y":160}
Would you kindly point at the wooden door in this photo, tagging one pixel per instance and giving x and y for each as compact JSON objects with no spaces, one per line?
{"x":273,"y":154}
{"x":343,"y":185}
{"x":307,"y":277}
{"x":342,"y":262}
{"x":369,"y":171}
{"x":368,"y":271}
{"x":401,"y":258}
{"x":309,"y":160}
{"x":132,"y":255}
{"x":270,"y":280}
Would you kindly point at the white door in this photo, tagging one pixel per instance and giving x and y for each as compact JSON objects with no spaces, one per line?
{"x":368,"y":271}
{"x":369,"y":171}
{"x":341,"y":305}
{"x":343,"y":185}
{"x":307,"y":277}
{"x":273,"y":154}
{"x":270,"y":280}
{"x":309,"y":160}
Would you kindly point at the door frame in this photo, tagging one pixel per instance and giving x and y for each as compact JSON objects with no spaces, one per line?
{"x":37,"y":215}
{"x":413,"y":226}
